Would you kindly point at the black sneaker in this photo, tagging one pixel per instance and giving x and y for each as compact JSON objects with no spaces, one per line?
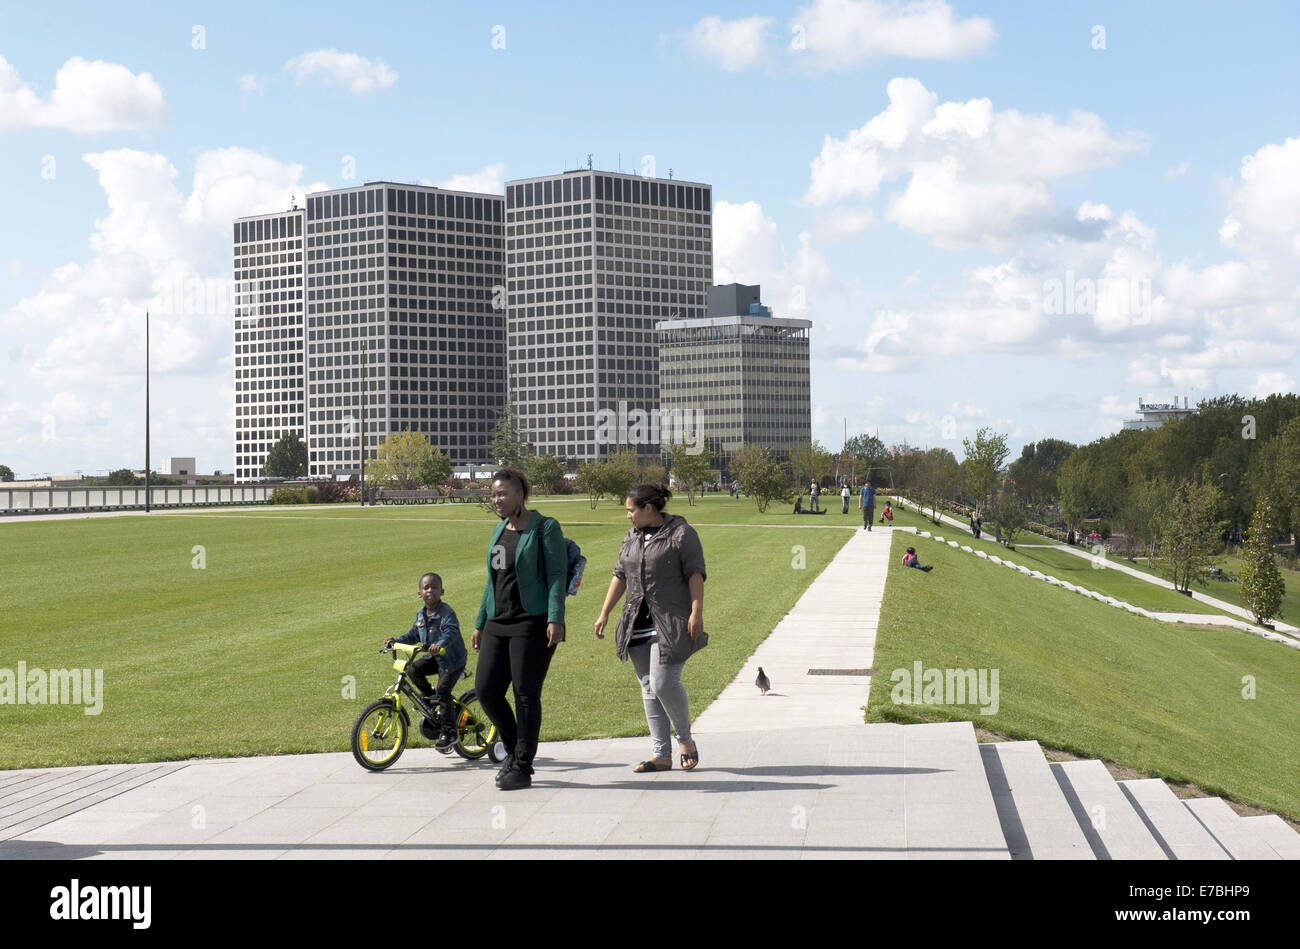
{"x":515,"y":779}
{"x":446,"y":742}
{"x":505,"y":768}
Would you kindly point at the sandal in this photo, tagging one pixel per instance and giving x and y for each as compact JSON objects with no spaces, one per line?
{"x":651,"y":765}
{"x":690,"y":759}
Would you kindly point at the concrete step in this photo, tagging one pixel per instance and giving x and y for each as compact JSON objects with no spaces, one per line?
{"x":1107,"y":818}
{"x":949,"y":808}
{"x":1242,"y":841}
{"x":1277,"y":834}
{"x":1181,"y":835}
{"x":1036,"y":818}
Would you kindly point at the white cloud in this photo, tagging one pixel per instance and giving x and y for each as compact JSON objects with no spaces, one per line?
{"x":974,"y":176}
{"x":79,"y":338}
{"x":88,"y":97}
{"x":358,"y":74}
{"x":490,"y":180}
{"x":843,"y":34}
{"x":844,"y":224}
{"x":913,"y":277}
{"x":748,"y":249}
{"x":1263,"y":219}
{"x":732,"y":44}
{"x":1269,"y":383}
{"x":248,"y":83}
{"x":1179,"y":170}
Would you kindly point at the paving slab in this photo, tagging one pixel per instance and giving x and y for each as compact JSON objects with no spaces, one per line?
{"x":1172,"y":825}
{"x":1107,"y":818}
{"x":1036,"y":818}
{"x":1241,"y":840}
{"x":1275,"y":832}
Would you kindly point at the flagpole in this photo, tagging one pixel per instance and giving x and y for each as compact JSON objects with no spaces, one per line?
{"x":146,"y":411}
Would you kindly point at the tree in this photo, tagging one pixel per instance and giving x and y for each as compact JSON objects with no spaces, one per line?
{"x":435,"y":470}
{"x":867,"y":451}
{"x":1139,"y":517}
{"x":6,"y":473}
{"x":691,"y":472}
{"x":761,"y":477}
{"x":1034,"y":472}
{"x":1008,"y":517}
{"x":287,"y":458}
{"x":507,"y":446}
{"x":544,"y":471}
{"x":984,"y":457}
{"x":123,"y":476}
{"x":1076,"y":489}
{"x":936,"y":475}
{"x":622,"y":472}
{"x":808,"y":462}
{"x":1189,"y":533}
{"x":652,"y":473}
{"x":591,"y":481}
{"x":610,"y":477}
{"x":400,"y":459}
{"x":1261,"y":582}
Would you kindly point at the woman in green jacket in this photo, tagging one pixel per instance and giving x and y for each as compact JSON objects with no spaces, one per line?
{"x":520,"y":622}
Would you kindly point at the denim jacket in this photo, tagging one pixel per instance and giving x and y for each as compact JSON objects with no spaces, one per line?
{"x":442,"y":631}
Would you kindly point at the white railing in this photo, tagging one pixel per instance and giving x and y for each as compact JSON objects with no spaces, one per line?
{"x":60,"y":500}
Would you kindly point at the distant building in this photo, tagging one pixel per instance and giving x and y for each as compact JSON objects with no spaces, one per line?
{"x":178,"y":467}
{"x":1155,"y":414}
{"x":594,"y":260}
{"x":743,"y":379}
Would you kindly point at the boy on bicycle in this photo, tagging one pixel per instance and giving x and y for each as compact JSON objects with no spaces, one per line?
{"x":436,"y":629}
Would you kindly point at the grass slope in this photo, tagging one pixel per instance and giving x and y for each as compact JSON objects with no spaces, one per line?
{"x":1079,"y":675}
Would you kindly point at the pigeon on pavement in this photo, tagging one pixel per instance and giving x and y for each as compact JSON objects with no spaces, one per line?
{"x":762,"y":682}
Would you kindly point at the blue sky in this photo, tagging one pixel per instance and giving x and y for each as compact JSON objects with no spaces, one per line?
{"x":910,"y":176}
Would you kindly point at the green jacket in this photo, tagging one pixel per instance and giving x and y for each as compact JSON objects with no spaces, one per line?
{"x":538,"y":594}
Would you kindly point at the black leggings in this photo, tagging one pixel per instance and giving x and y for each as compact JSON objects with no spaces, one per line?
{"x":520,"y":661}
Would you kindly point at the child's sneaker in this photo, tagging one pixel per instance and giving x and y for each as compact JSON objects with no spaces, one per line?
{"x":446,"y":742}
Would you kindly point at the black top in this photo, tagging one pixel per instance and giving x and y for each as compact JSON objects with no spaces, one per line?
{"x":511,"y":619}
{"x":643,"y":619}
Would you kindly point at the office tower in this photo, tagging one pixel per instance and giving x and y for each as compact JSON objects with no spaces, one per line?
{"x":741,"y":372}
{"x":593,"y":261}
{"x":269,"y":393}
{"x":400,"y":287}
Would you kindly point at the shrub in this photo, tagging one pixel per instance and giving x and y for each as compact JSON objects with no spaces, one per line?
{"x":283,"y":495}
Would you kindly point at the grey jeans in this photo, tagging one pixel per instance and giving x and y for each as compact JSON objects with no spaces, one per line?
{"x":664,"y":697}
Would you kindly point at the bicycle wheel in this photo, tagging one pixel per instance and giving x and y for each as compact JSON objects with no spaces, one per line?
{"x":379,"y":735}
{"x":476,"y":736}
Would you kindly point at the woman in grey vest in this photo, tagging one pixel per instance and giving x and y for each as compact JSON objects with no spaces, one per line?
{"x":661,"y":568}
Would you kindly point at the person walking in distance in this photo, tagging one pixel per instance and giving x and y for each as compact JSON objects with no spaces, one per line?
{"x":844,"y":496}
{"x":867,"y":502}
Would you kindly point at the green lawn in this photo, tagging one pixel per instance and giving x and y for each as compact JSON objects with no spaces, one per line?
{"x":251,"y":654}
{"x":1062,"y":565}
{"x":1231,"y":592}
{"x":1076,"y":674}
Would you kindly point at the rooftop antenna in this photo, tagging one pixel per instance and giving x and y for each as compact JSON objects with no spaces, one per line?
{"x":293,"y":200}
{"x":670,"y":174}
{"x":620,"y":163}
{"x":589,"y":161}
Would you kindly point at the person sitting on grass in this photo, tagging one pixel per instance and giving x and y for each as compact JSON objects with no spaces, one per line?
{"x":436,"y":628}
{"x":911,"y":560}
{"x":887,"y":515}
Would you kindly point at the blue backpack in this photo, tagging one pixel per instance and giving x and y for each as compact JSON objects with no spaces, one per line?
{"x":576,"y":564}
